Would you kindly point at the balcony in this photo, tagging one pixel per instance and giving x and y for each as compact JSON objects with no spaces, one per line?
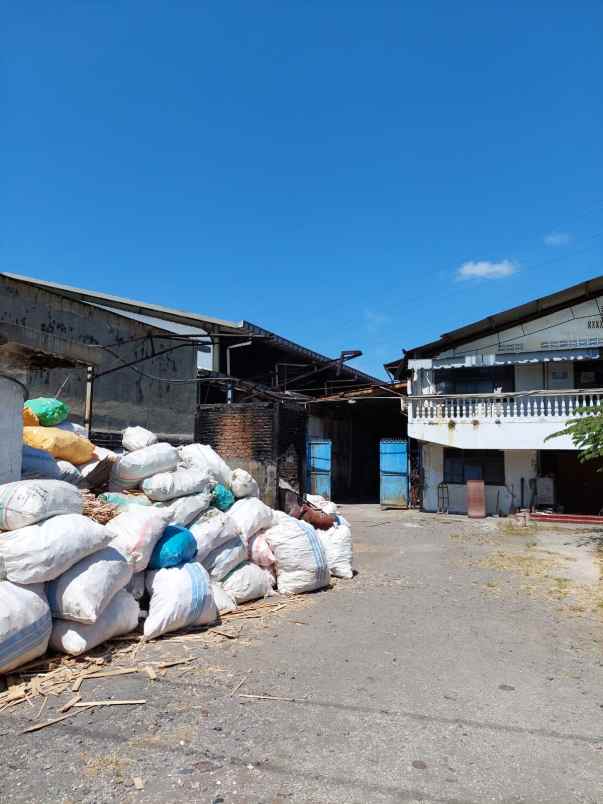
{"x":520,"y":420}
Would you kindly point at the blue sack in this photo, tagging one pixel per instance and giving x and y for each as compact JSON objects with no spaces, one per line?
{"x":222,"y":498}
{"x":176,"y":546}
{"x":37,"y":463}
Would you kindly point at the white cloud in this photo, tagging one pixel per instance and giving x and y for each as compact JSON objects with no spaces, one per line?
{"x":556,"y":239}
{"x":484,"y":269}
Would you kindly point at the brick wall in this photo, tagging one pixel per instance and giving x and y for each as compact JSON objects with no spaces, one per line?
{"x":265,"y":438}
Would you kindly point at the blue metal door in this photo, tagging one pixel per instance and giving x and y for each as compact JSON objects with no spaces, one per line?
{"x":393,"y":463}
{"x":319,"y":467}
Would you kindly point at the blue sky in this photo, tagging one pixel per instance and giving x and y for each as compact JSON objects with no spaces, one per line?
{"x":351,"y":175}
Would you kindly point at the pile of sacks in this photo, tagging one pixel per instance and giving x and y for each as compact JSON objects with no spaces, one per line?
{"x":190,"y":540}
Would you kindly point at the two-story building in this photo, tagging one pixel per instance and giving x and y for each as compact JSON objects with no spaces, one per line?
{"x":484,"y":398}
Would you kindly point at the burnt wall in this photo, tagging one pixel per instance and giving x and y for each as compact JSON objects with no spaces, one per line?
{"x":122,"y":398}
{"x":265,"y":438}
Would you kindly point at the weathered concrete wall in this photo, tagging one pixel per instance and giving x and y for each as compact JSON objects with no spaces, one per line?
{"x":122,"y":398}
{"x":518,"y":464}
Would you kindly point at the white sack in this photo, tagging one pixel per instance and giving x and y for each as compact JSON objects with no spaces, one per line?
{"x":224,"y":602}
{"x":42,"y":552}
{"x":169,"y":485}
{"x":25,"y":624}
{"x":85,"y":590}
{"x":26,"y":502}
{"x":211,"y":530}
{"x":326,"y":506}
{"x":120,"y":617}
{"x":134,"y":438}
{"x":243,"y":484}
{"x":337,"y":544}
{"x":301,"y":564}
{"x":185,"y":510}
{"x":180,"y":597}
{"x":136,"y":586}
{"x":250,"y":515}
{"x":225,"y":558}
{"x":248,"y":582}
{"x":205,"y":459}
{"x":136,"y":532}
{"x":69,"y":473}
{"x":133,"y":467}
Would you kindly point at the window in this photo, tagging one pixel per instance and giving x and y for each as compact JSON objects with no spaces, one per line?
{"x":461,"y":465}
{"x":476,"y":380}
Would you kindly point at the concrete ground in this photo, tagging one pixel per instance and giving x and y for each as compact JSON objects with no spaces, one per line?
{"x":464,"y":663}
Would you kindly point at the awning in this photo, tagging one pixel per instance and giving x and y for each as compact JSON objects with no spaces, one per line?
{"x":515,"y":358}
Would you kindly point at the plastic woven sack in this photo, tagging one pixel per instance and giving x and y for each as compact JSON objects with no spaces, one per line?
{"x":29,"y":418}
{"x":39,"y":464}
{"x":136,"y":531}
{"x":48,"y":411}
{"x":176,"y":546}
{"x":180,"y":596}
{"x":204,"y":458}
{"x":171,"y":485}
{"x":243,"y":484}
{"x":25,"y":624}
{"x":211,"y":530}
{"x":83,"y":592}
{"x":137,"y":438}
{"x":62,"y":444}
{"x":337,"y":544}
{"x":70,"y":473}
{"x":44,"y":551}
{"x":120,"y":617}
{"x":132,"y":468}
{"x":26,"y":502}
{"x":301,"y":563}
{"x":250,"y":516}
{"x":222,"y":497}
{"x":248,"y":582}
{"x":225,"y":558}
{"x":184,"y":510}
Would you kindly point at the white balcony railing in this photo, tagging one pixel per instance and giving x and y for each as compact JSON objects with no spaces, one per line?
{"x":501,"y":407}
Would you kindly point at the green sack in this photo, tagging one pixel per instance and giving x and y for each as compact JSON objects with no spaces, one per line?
{"x":50,"y":412}
{"x":222,"y":498}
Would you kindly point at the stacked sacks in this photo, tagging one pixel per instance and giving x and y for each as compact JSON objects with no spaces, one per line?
{"x":45,"y":535}
{"x":93,"y":600}
{"x":189,"y":532}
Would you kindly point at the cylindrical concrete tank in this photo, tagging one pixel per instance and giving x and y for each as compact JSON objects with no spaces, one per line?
{"x":12,"y":396}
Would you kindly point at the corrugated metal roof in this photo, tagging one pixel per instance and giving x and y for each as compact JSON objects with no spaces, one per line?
{"x":132,"y":306}
{"x":172,"y":320}
{"x":513,"y":316}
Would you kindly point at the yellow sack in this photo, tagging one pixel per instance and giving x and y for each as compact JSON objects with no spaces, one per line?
{"x":29,"y":418}
{"x":61,"y":443}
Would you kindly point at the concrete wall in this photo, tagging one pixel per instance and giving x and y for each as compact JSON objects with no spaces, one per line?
{"x":531,"y":433}
{"x":122,"y":398}
{"x":518,"y":464}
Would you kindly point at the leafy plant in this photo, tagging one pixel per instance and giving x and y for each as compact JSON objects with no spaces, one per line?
{"x":586,"y":433}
